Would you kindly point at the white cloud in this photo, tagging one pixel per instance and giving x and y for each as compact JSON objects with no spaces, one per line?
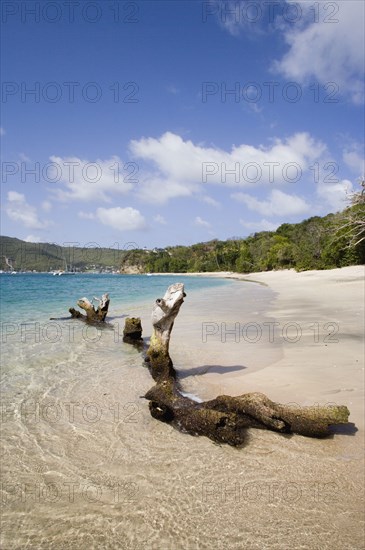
{"x":355,"y":160}
{"x":20,"y":211}
{"x":235,"y":16}
{"x":179,"y":160}
{"x":325,"y":39}
{"x":159,"y":190}
{"x":123,"y":219}
{"x":86,"y":215}
{"x":210,"y":201}
{"x":330,"y":50}
{"x":86,"y":180}
{"x":255,"y":108}
{"x":180,"y":168}
{"x":278,"y":204}
{"x":46,"y":206}
{"x":201,"y":223}
{"x":32,"y":239}
{"x":263,"y":225}
{"x":160,"y":219}
{"x":335,"y":195}
{"x":14,"y":196}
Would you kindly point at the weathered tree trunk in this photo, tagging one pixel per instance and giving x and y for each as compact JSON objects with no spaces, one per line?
{"x":92,"y":314}
{"x":132,"y":333}
{"x":224,"y":419}
{"x":163,"y":317}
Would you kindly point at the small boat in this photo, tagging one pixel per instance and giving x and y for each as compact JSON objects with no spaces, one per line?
{"x":65,"y":271}
{"x":62,"y":272}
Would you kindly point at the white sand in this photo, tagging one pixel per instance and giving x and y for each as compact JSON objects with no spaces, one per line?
{"x":320,"y":482}
{"x":327,"y":361}
{"x":313,"y":354}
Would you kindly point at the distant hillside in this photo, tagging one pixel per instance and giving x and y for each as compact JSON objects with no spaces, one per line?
{"x":23,"y":256}
{"x":316,"y":243}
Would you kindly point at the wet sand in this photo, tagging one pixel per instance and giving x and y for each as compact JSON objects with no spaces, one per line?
{"x":122,"y":480}
{"x":320,"y":329}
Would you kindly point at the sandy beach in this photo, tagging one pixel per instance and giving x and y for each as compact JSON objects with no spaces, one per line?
{"x":110,"y":476}
{"x":307,"y":349}
{"x":312,"y":337}
{"x":324,"y":345}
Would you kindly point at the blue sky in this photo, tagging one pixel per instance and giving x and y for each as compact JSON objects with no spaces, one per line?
{"x":163,"y":123}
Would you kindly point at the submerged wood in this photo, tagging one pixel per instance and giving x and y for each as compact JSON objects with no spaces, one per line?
{"x":92,"y":314}
{"x":132,"y":332}
{"x":224,"y":419}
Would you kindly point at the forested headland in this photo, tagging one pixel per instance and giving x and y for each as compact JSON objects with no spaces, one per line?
{"x":335,"y":240}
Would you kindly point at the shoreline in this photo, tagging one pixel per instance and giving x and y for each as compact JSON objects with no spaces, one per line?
{"x":119,"y":460}
{"x":313,"y":349}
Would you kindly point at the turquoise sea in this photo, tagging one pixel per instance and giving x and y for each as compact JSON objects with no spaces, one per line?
{"x":84,"y":465}
{"x":41,"y":344}
{"x":39,"y":296}
{"x":35,"y":321}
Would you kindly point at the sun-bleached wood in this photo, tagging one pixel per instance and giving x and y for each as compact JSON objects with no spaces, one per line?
{"x":224,"y":419}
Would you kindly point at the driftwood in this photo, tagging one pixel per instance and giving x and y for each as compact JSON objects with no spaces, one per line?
{"x":92,"y":314}
{"x":132,"y":333}
{"x":224,"y":419}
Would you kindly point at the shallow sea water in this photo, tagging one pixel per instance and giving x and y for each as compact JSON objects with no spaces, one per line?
{"x":84,"y":465}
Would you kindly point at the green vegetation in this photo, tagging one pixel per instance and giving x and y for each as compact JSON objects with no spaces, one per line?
{"x":312,"y":244}
{"x":47,"y":257}
{"x":316,"y":243}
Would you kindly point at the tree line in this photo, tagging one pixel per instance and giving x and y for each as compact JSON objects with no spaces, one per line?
{"x":315,"y":243}
{"x":335,"y":240}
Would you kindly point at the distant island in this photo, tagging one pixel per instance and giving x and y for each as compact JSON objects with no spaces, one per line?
{"x":316,"y":243}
